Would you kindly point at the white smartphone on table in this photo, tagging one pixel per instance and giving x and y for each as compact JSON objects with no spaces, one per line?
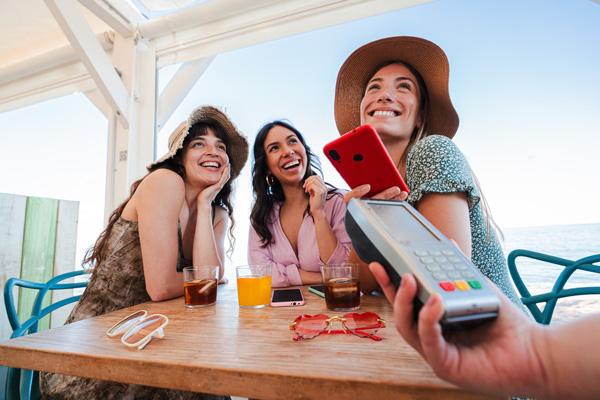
{"x":287,"y":297}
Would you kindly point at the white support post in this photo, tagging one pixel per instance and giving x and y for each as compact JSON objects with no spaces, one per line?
{"x":112,"y":158}
{"x":123,"y":57}
{"x":92,"y":55}
{"x":179,"y":86}
{"x":142,"y":136}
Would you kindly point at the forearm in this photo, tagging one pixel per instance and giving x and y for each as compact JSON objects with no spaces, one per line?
{"x":310,"y":277}
{"x":168,"y":288}
{"x":326,"y":239}
{"x":205,"y":250}
{"x":570,"y":358}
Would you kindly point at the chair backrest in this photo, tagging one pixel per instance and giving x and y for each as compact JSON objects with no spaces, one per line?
{"x":23,"y":384}
{"x":558,"y":291}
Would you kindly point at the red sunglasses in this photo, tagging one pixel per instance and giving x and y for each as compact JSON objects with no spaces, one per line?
{"x":363,"y":325}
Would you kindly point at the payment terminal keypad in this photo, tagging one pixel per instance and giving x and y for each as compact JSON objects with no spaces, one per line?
{"x":448,"y":269}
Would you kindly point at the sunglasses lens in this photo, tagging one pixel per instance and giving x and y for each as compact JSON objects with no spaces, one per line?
{"x":308,"y":327}
{"x":365,"y":324}
{"x":125,"y":323}
{"x":144,"y":329}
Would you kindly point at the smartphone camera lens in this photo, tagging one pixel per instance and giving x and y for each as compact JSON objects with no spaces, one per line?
{"x":358,"y":157}
{"x":334,"y":155}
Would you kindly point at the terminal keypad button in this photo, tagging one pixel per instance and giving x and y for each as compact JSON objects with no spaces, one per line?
{"x":421,"y":253}
{"x":461,"y":267}
{"x":468,"y":274}
{"x":448,"y":253}
{"x":435,"y":253}
{"x":454,"y":275}
{"x":433,"y":267}
{"x":427,"y":260}
{"x":454,"y":259}
{"x":462,"y":285}
{"x":447,"y":286}
{"x":475,"y":284}
{"x":447,"y":267}
{"x":439,"y":276}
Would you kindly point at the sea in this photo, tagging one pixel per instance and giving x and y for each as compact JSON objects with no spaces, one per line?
{"x":571,"y":242}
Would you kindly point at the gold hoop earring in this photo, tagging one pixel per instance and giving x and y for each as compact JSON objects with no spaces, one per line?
{"x":270,"y":179}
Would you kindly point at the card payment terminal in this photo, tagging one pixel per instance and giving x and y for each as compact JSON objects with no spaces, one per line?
{"x":394,"y":234}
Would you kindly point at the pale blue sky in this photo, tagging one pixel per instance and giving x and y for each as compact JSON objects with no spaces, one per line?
{"x":523,"y":78}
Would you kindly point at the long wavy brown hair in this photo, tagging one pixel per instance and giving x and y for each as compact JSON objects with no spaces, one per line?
{"x":98,"y":252}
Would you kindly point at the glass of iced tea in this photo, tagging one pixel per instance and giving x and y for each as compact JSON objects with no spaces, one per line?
{"x":200,"y":286}
{"x":342,"y":286}
{"x":254,"y":285}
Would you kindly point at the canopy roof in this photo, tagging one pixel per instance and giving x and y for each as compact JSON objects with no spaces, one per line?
{"x":111,"y":50}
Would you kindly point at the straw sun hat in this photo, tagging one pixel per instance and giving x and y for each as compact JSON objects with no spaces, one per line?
{"x":237,"y":148}
{"x":424,"y":56}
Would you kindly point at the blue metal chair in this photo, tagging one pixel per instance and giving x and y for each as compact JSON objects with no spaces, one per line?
{"x":20,"y":383}
{"x":558,"y":291}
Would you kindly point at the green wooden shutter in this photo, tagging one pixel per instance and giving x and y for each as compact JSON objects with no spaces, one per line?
{"x":39,"y":242}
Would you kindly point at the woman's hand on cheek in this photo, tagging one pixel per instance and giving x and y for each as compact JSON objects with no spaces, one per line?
{"x":209,"y":193}
{"x":317,"y":190}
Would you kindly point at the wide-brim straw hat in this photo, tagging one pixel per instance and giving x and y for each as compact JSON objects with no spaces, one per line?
{"x":424,"y":56}
{"x":237,"y":148}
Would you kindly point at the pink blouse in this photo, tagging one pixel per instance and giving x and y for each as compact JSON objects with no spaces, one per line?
{"x":280,"y":254}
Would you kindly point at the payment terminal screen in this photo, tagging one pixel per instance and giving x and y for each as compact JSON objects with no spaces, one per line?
{"x":401,"y":223}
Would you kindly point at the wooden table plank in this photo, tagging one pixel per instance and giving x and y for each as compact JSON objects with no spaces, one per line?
{"x":224,"y":349}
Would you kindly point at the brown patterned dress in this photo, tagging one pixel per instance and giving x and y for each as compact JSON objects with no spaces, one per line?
{"x":117,"y":282}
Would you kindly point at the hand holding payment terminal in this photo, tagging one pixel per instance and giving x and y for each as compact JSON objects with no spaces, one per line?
{"x":394,"y":234}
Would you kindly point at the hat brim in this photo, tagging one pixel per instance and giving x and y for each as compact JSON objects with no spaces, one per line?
{"x":424,"y":56}
{"x":237,"y":147}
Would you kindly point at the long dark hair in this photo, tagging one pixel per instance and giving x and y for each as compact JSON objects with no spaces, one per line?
{"x":264,"y":195}
{"x":96,"y":254}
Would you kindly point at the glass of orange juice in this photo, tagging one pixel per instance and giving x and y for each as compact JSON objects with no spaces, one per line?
{"x":254,"y":285}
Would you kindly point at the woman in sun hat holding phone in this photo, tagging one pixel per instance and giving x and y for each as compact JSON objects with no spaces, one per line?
{"x":176,"y":216}
{"x":399,"y":85}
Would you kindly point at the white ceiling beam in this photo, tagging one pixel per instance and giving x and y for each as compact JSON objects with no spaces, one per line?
{"x":118,"y":14}
{"x":98,"y":100}
{"x":55,"y":82}
{"x":226,"y":29}
{"x":178,"y":88}
{"x":92,"y":55}
{"x":199,"y":15}
{"x":273,"y":20}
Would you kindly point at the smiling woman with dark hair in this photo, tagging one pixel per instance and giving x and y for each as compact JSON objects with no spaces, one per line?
{"x":297,"y":220}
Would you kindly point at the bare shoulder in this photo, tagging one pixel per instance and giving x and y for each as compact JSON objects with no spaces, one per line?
{"x":161,"y":187}
{"x":164,"y":176}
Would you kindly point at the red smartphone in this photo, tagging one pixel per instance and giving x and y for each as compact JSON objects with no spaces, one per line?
{"x":360,"y":157}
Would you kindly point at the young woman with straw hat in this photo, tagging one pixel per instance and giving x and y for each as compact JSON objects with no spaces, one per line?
{"x":176,"y":216}
{"x":399,"y":85}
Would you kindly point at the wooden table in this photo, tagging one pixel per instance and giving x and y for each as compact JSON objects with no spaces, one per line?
{"x":224,"y":349}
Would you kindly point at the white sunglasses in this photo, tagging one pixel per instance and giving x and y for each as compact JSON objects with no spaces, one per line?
{"x":138,"y":328}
